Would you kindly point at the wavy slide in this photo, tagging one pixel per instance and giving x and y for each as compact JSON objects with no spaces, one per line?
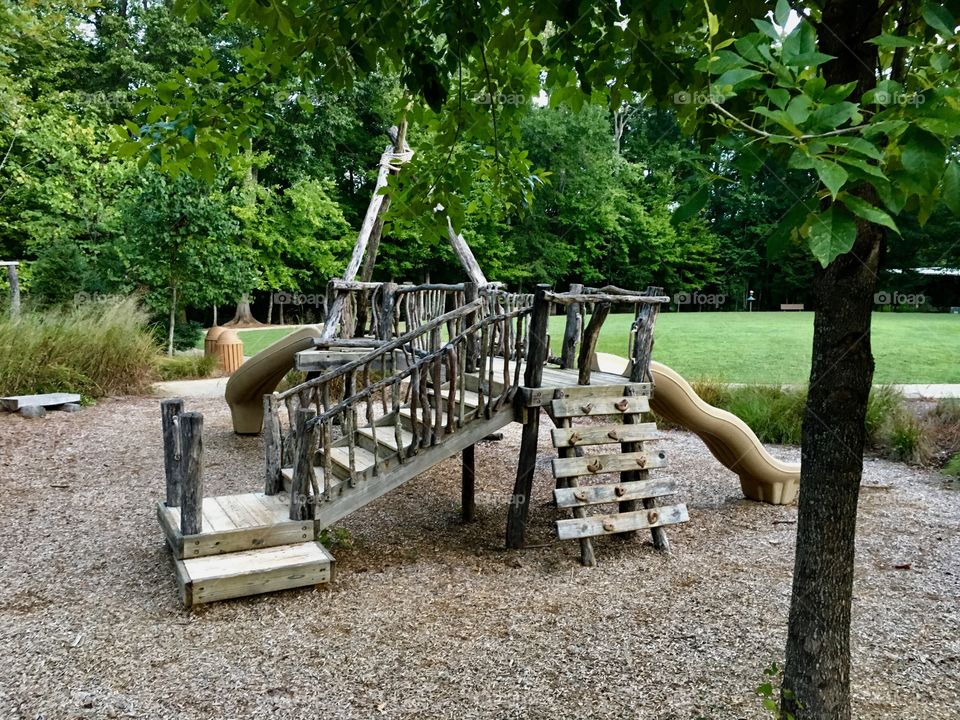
{"x":259,"y":375}
{"x":729,"y":439}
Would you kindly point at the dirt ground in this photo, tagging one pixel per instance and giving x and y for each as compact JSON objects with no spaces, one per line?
{"x":433,"y":619}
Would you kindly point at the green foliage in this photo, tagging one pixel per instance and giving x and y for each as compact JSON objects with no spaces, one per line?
{"x":95,"y":349}
{"x":953,"y":466}
{"x":186,"y":335}
{"x":336,"y":537}
{"x":190,"y":366}
{"x":770,"y":692}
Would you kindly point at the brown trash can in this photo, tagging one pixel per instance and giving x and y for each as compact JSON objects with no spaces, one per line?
{"x":229,"y":350}
{"x":210,"y":340}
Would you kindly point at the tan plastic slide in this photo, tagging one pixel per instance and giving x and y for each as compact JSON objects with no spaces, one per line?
{"x":729,"y":439}
{"x":260,"y":375}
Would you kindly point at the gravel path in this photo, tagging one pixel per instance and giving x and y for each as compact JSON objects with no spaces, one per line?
{"x":431,"y":619}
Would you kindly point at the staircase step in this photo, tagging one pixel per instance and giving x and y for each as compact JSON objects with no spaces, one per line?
{"x":363,"y":459}
{"x":251,"y":572}
{"x":615,"y":492}
{"x":614,"y":462}
{"x":603,"y":434}
{"x":470,"y":398}
{"x":386,"y":436}
{"x":591,"y":406}
{"x":594,"y":525}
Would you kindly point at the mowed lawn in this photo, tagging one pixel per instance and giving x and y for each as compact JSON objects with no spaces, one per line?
{"x":769,"y":347}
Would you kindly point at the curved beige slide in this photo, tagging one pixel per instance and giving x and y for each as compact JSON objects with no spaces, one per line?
{"x":729,"y":439}
{"x":260,"y":375}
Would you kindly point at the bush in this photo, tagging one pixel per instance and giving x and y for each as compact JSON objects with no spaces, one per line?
{"x":953,"y":466}
{"x":186,"y":334}
{"x":189,"y":366}
{"x":95,"y":349}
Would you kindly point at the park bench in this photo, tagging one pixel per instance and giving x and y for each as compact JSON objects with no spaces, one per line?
{"x":791,"y":306}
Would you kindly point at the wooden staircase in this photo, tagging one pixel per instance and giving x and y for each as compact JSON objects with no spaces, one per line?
{"x":635,"y":493}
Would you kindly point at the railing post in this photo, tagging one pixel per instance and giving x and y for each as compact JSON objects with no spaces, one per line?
{"x":537,"y":351}
{"x":301,"y":507}
{"x":170,"y":411}
{"x":590,"y":337}
{"x":388,"y":300}
{"x":191,"y":491}
{"x":571,"y":332}
{"x":469,"y":295}
{"x":643,"y":338}
{"x":273,"y":479}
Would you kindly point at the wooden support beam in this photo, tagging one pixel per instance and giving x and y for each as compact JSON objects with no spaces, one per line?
{"x":468,"y":504}
{"x":191,"y":490}
{"x":463,"y":251}
{"x":301,"y":503}
{"x":272,"y":445}
{"x":567,"y":454}
{"x":642,"y":346}
{"x":589,"y":346}
{"x":537,"y":352}
{"x":571,"y":332}
{"x":170,"y":411}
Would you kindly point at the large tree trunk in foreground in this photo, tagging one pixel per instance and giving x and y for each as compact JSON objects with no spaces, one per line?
{"x":817,"y":675}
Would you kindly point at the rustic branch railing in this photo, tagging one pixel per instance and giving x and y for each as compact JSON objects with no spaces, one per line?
{"x":418,"y":373}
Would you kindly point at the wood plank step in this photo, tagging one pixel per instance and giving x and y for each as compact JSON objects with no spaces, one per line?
{"x":238,"y":574}
{"x":591,"y":405}
{"x":603,"y":434}
{"x":594,"y":525}
{"x":363,"y":459}
{"x":266,"y":523}
{"x":470,"y":398}
{"x":617,"y":492}
{"x":614,"y":462}
{"x":387,"y":437}
{"x":287,"y":474}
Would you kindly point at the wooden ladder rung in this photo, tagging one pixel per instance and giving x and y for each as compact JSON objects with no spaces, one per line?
{"x":596,"y":525}
{"x":618,"y":492}
{"x":591,"y":406}
{"x":604,"y":434}
{"x":614,"y":462}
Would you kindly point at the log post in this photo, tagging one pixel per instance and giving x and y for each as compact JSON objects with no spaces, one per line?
{"x":590,"y":337}
{"x":468,"y":503}
{"x":388,"y":301}
{"x":301,"y":505}
{"x":469,"y":295}
{"x":272,"y":450}
{"x":537,"y":351}
{"x":14,"y":289}
{"x":191,"y":494}
{"x":571,"y":333}
{"x":463,"y":251}
{"x":643,"y":338}
{"x":170,"y":410}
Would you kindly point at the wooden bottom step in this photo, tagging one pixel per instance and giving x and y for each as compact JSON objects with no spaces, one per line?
{"x":594,"y":525}
{"x":252,"y":572}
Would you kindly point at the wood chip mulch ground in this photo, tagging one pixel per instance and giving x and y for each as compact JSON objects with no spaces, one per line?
{"x":433,"y":619}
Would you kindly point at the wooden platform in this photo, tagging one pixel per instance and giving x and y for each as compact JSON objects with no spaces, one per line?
{"x":233,"y":523}
{"x":251,"y":572}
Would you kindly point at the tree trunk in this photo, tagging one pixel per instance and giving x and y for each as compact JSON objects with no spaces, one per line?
{"x":270,"y":310}
{"x":243,"y":315}
{"x":14,"y":290}
{"x":817,"y":674}
{"x":173,"y":321}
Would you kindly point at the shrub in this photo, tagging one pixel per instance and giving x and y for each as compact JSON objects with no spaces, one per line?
{"x":189,"y":366}
{"x":953,"y":466}
{"x":186,"y":334}
{"x":95,"y":349}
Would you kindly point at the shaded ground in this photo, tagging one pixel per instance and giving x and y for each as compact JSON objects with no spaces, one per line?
{"x":431,"y":619}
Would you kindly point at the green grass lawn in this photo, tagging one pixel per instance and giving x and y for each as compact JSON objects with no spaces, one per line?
{"x":759,"y":347}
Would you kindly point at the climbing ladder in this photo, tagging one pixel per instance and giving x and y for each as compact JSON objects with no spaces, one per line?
{"x":635,"y":493}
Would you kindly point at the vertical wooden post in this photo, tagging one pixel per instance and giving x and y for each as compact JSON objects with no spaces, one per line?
{"x":571,"y":332}
{"x":191,"y":494}
{"x":14,"y":289}
{"x":643,"y":338}
{"x":468,"y":502}
{"x":301,"y":506}
{"x":469,"y":295}
{"x":170,"y":411}
{"x":523,"y":487}
{"x":273,"y":479}
{"x":388,"y":301}
{"x":590,"y":337}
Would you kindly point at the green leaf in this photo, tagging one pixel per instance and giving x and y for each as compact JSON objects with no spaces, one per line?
{"x":950,"y":191}
{"x":735,"y":77}
{"x":923,"y":157}
{"x":865,"y":210}
{"x":778,"y":96}
{"x":692,"y":206}
{"x":940,"y":19}
{"x":857,"y":145}
{"x":831,"y":175}
{"x":799,"y":109}
{"x":767,"y":29}
{"x":894,"y":41}
{"x":832,"y":116}
{"x":832,"y":233}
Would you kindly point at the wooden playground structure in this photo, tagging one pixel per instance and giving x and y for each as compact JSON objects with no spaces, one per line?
{"x":395,"y":404}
